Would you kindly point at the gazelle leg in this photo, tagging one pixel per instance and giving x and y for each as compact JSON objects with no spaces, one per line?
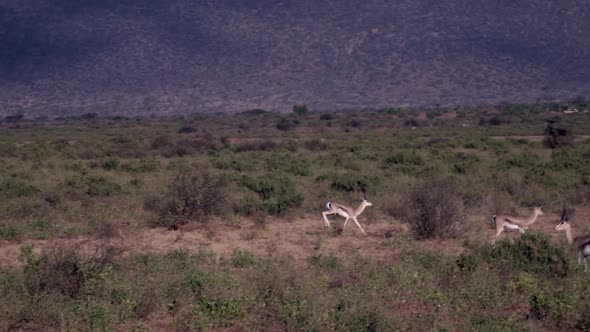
{"x":359,"y":225}
{"x":344,"y":226}
{"x":326,"y":221}
{"x":499,"y":230}
{"x":580,"y":257}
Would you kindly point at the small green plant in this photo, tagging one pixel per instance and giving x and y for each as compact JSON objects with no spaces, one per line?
{"x":243,"y":259}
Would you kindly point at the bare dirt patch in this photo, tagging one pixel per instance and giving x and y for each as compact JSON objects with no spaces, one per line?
{"x":300,"y":238}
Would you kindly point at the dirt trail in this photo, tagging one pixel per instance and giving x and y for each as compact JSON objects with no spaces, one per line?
{"x":299,"y":239}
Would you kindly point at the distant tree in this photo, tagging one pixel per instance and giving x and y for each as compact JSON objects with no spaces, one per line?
{"x":496,"y":121}
{"x":300,"y":109}
{"x":557,"y":137}
{"x":411,"y":123}
{"x":13,"y":118}
{"x":89,"y":116}
{"x":285,"y":124}
{"x":187,"y":130}
{"x":353,"y":122}
{"x":581,"y":102}
{"x":256,"y":111}
{"x":326,"y":116}
{"x":397,"y":111}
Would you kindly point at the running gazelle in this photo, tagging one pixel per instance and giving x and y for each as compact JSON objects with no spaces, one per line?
{"x":508,"y":221}
{"x":346,"y":212}
{"x":581,"y":243}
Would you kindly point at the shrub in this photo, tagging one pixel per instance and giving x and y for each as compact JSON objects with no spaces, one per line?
{"x":186,"y":130}
{"x":261,"y":145}
{"x":141,"y":166}
{"x":254,"y":112}
{"x":300,"y":109}
{"x":496,"y":121}
{"x":12,"y":187}
{"x":288,"y":164}
{"x":532,"y":252}
{"x":191,"y":195}
{"x":404,"y":158}
{"x":353,"y":122}
{"x":243,"y":259}
{"x":161,"y":142}
{"x":411,"y":123}
{"x":349,"y":181}
{"x":285,"y":124}
{"x":277,"y":192}
{"x":99,"y":186}
{"x":63,"y":269}
{"x":317,"y":145}
{"x":434,"y":209}
{"x":557,"y":137}
{"x":110,"y":164}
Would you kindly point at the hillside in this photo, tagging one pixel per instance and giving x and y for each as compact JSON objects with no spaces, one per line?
{"x":180,"y":56}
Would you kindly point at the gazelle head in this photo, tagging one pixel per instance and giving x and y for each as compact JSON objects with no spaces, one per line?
{"x":538,"y":211}
{"x":564,"y":221}
{"x":365,"y":201}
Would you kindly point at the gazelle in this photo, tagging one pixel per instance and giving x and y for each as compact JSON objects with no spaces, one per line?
{"x":346,"y":211}
{"x":512,"y":222}
{"x":582,"y":243}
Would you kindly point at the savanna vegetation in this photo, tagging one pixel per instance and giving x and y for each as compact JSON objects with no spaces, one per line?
{"x":74,"y":193}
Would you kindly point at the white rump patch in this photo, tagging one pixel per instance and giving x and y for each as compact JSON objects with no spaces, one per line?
{"x":511,"y":226}
{"x":342,"y":213}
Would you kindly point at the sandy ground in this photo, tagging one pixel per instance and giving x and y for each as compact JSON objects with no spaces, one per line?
{"x":299,"y":238}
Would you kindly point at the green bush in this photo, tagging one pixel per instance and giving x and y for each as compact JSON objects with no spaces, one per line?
{"x":532,"y":252}
{"x":99,"y":186}
{"x":243,"y":259}
{"x":409,"y":163}
{"x":300,"y":109}
{"x":557,"y":306}
{"x":12,"y":187}
{"x":141,"y":166}
{"x":285,"y":124}
{"x":233,"y":163}
{"x":110,"y":164}
{"x":349,"y":181}
{"x":286,"y":163}
{"x":277,"y":191}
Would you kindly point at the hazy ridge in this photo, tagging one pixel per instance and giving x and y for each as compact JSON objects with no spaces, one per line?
{"x":165,"y":57}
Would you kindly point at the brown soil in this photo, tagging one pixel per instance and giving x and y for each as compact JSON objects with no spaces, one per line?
{"x":300,"y":238}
